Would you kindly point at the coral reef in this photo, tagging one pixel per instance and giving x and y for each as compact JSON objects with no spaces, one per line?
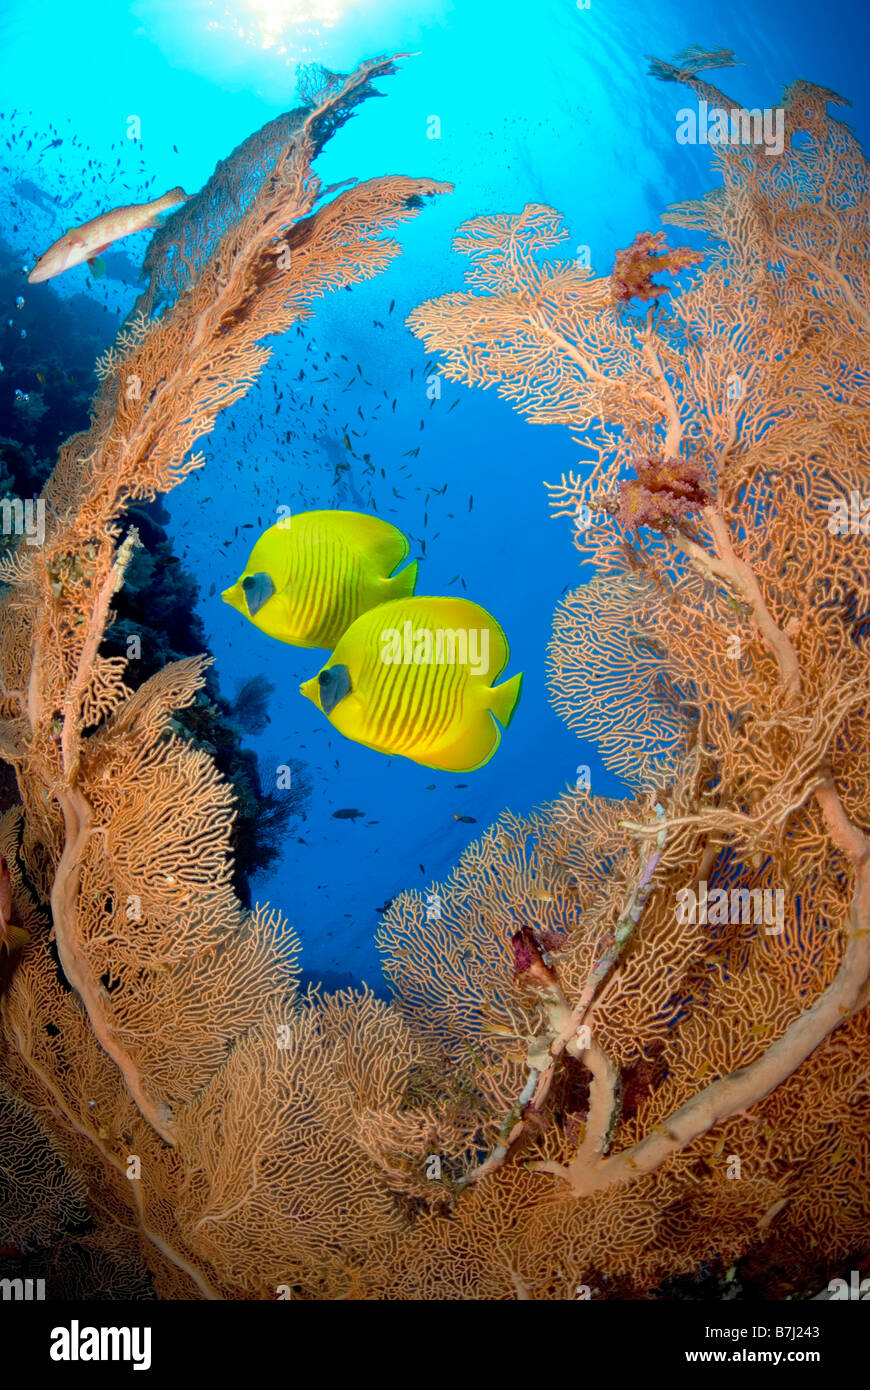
{"x":53,"y":366}
{"x":718,"y":658}
{"x":630,"y":1045}
{"x":168,"y":990}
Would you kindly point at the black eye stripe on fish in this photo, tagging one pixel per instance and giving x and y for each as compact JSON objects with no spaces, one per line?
{"x":423,"y":673}
{"x":334,"y":688}
{"x":258,"y":590}
{"x":328,"y":567}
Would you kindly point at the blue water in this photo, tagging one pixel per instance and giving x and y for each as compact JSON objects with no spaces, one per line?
{"x":537,"y":103}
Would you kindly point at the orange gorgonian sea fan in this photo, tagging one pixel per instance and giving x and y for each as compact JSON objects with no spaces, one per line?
{"x":723,"y":669}
{"x":681,"y":1088}
{"x":150,"y":1027}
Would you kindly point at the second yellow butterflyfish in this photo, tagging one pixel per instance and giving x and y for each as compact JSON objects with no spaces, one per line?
{"x":310,"y":576}
{"x":417,"y":677}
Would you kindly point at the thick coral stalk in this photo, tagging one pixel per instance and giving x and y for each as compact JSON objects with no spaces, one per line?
{"x":719,"y":660}
{"x":737,"y":1093}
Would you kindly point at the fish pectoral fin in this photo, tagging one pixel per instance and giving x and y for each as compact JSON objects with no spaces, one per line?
{"x":385,"y":546}
{"x":96,"y":267}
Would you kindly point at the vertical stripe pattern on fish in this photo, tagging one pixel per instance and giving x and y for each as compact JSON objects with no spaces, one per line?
{"x":417,"y":677}
{"x":308,"y":579}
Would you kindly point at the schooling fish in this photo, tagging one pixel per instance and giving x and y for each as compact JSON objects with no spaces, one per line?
{"x":85,"y":243}
{"x":347,"y":813}
{"x":307,"y":579}
{"x":416,"y":677}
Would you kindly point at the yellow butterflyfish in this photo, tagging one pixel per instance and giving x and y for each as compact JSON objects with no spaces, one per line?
{"x":310,"y":576}
{"x":417,"y":677}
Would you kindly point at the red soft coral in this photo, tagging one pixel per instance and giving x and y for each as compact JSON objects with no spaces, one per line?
{"x":634,"y":267}
{"x":665,"y":492}
{"x":530,"y":968}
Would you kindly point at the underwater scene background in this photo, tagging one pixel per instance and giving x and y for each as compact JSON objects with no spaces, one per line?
{"x":365,"y":405}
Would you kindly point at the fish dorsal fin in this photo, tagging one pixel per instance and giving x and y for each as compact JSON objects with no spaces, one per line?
{"x":463,"y":615}
{"x":384,"y":544}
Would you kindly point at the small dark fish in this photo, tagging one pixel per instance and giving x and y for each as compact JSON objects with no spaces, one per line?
{"x":466,"y":820}
{"x":459,"y":785}
{"x":453,"y":406}
{"x":421,"y":868}
{"x":392,"y":306}
{"x":470,"y":502}
{"x":348,"y":813}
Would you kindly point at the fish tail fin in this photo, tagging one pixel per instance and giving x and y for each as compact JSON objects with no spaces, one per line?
{"x":402,"y":585}
{"x":503,"y":699}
